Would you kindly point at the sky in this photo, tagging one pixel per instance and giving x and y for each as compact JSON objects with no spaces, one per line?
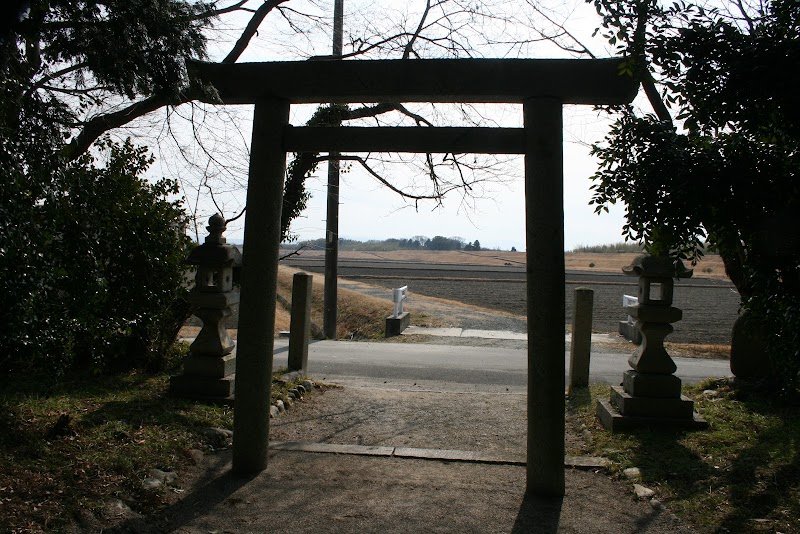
{"x":497,"y":219}
{"x":494,"y":215}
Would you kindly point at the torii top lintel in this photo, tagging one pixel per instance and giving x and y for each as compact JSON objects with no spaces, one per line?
{"x":572,"y":81}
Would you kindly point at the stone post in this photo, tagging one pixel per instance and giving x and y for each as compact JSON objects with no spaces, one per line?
{"x":209,"y":369}
{"x":651,"y":393}
{"x":581,"y":345}
{"x":300,"y":326}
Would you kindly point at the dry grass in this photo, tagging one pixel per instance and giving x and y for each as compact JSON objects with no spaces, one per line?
{"x":709,"y":267}
{"x":713,"y":352}
{"x":358,"y":316}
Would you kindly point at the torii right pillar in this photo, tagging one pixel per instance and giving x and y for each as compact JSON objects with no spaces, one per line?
{"x":544,"y":229}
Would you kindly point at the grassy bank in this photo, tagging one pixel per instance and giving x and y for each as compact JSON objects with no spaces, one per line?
{"x":358,"y":316}
{"x":118,"y":428}
{"x":741,"y":475}
{"x":73,"y":456}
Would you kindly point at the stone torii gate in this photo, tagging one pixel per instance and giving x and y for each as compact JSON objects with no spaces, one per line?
{"x":541,"y":86}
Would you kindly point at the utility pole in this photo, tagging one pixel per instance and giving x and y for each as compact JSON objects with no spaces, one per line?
{"x":332,"y":222}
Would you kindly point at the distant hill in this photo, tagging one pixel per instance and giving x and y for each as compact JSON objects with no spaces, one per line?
{"x":419,"y":242}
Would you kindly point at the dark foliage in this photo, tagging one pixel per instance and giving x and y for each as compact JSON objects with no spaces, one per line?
{"x":90,"y":254}
{"x":725,"y":171}
{"x":94,"y":275}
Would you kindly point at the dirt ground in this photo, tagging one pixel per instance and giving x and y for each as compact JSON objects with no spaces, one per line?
{"x":313,"y":492}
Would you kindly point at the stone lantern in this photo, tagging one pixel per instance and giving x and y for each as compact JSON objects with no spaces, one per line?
{"x":650,"y":394}
{"x":209,"y":369}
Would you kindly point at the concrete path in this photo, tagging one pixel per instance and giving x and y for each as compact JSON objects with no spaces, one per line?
{"x":492,"y":334}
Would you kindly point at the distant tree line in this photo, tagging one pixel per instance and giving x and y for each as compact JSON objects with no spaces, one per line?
{"x":630,"y":247}
{"x":419,"y":242}
{"x":621,"y":247}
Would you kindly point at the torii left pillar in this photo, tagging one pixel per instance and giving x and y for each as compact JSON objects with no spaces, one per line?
{"x":262,"y":236}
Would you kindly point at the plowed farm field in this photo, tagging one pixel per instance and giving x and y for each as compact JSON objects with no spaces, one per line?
{"x":496,"y":281}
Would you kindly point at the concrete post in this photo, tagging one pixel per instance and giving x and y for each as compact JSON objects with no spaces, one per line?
{"x":581,"y":345}
{"x":300,"y":327}
{"x":544,"y":222}
{"x":262,"y":235}
{"x":331,"y":291}
{"x":330,"y":294}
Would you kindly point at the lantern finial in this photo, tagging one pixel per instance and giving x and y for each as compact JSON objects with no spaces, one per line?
{"x":216,"y":225}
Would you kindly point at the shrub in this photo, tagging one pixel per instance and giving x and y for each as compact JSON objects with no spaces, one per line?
{"x":778,"y":314}
{"x":99,"y":279}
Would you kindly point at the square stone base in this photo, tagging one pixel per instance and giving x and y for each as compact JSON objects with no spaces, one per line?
{"x":209,"y":366}
{"x":649,"y":385}
{"x":614,"y":421}
{"x":395,"y":325}
{"x":681,"y":407}
{"x":209,"y":389}
{"x":624,"y":411}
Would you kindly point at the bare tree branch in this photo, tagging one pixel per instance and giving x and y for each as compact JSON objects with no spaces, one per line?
{"x":242,"y":212}
{"x":251,"y":29}
{"x":582,"y":49}
{"x":379,"y":109}
{"x":363,"y":162}
{"x":44,"y":81}
{"x":360,"y":51}
{"x":410,"y":45}
{"x":296,"y":252}
{"x":642,"y":67}
{"x":230,"y":9}
{"x":95,"y":127}
{"x":750,"y":22}
{"x":102,"y":123}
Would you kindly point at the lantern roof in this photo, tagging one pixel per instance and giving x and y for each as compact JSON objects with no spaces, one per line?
{"x":215,"y":252}
{"x":657,"y":267}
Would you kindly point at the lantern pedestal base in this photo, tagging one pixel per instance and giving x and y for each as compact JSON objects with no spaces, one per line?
{"x":624,"y":411}
{"x":204,"y":388}
{"x":209,"y":366}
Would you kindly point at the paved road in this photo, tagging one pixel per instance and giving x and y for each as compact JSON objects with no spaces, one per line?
{"x":440,"y":367}
{"x":710,"y":306}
